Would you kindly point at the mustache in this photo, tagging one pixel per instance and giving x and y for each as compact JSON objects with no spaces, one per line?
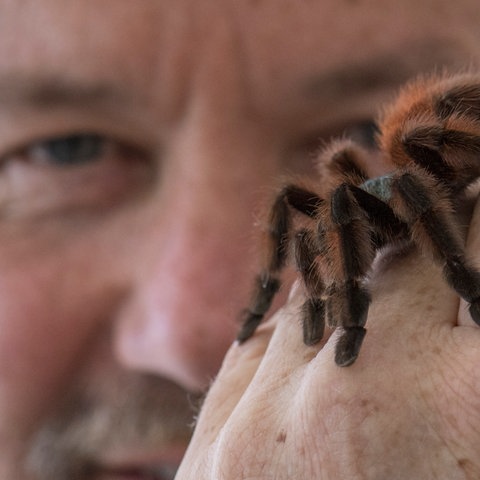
{"x":128,"y":410}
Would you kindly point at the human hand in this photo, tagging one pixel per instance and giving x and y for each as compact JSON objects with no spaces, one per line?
{"x":409,"y":408}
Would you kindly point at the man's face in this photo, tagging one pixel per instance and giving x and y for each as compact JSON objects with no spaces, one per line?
{"x":138,"y":141}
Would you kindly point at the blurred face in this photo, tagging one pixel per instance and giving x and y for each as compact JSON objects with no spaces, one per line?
{"x":137,"y":142}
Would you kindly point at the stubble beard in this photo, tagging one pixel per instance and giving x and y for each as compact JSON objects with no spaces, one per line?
{"x":135,"y":411}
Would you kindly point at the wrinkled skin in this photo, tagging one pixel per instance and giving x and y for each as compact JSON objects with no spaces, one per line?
{"x":408,"y":408}
{"x":122,"y":270}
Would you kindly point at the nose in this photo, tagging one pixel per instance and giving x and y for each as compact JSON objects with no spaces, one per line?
{"x":197,"y":258}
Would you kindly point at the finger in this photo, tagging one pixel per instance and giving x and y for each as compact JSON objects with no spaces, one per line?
{"x":410,"y":299}
{"x":473,"y":253}
{"x":286,"y":352}
{"x":238,"y":368}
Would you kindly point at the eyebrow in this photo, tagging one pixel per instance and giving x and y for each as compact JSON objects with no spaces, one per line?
{"x":384,"y":70}
{"x":45,"y":92}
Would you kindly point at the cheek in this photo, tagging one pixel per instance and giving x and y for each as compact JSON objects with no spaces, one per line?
{"x":40,"y":339}
{"x":49,"y":314}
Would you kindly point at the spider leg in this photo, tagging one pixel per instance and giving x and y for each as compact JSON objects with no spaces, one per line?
{"x":313,"y":308}
{"x":363,"y":223}
{"x":264,"y":291}
{"x":450,"y":155}
{"x":386,"y":225}
{"x":268,"y":282}
{"x":460,"y":99}
{"x":341,"y":162}
{"x":349,"y":299}
{"x":434,"y":229}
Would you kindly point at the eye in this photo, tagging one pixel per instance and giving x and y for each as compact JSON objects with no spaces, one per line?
{"x":69,"y":150}
{"x":78,"y":172}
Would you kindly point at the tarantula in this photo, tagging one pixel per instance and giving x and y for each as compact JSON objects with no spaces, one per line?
{"x":431,"y":134}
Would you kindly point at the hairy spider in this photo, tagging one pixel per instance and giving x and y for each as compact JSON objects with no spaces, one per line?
{"x":431,"y":134}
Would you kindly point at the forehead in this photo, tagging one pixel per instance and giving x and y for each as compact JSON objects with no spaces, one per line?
{"x":268,"y":32}
{"x":274,"y":49}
